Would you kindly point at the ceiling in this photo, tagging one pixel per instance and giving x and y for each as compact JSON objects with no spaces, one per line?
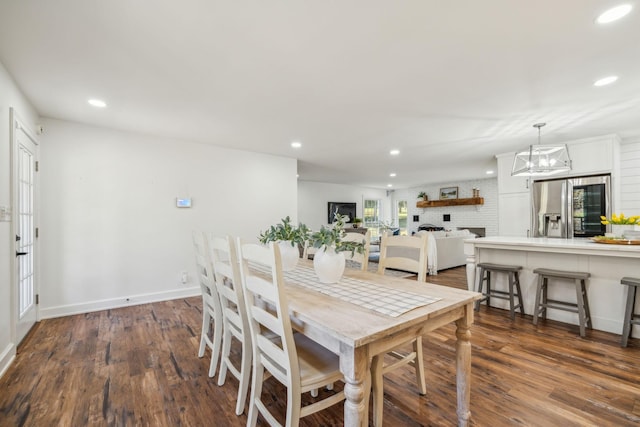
{"x":449,"y":84}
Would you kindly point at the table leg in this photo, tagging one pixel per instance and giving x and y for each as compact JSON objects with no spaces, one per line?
{"x":354,"y":365}
{"x":463,"y":365}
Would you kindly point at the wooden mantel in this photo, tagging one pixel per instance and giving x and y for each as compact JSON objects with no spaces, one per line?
{"x":450,"y":202}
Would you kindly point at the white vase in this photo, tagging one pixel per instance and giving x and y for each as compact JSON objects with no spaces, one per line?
{"x":328,"y":265}
{"x":618,"y":230}
{"x":289,"y":254}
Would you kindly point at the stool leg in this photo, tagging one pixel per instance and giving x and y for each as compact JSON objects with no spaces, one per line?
{"x":512,"y":311}
{"x":479,"y":289}
{"x":581,"y":317}
{"x":536,"y":310}
{"x":628,"y":314}
{"x":488,"y":288}
{"x":545,"y":288}
{"x":587,"y":311}
{"x":520,"y":303}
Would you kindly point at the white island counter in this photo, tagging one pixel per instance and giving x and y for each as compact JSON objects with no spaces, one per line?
{"x":607,"y":264}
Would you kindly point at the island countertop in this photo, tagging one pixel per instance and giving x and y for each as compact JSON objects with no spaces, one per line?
{"x":584,"y":246}
{"x":606,"y":264}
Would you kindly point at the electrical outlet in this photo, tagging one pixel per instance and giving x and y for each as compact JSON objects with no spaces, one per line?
{"x":184,"y":278}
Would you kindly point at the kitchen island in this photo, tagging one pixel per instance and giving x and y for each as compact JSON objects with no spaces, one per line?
{"x":607,"y":263}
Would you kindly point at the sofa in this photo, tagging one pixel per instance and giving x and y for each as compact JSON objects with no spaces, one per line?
{"x":445,"y":249}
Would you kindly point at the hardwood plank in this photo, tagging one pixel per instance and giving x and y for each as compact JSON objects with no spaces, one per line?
{"x":139,"y":366}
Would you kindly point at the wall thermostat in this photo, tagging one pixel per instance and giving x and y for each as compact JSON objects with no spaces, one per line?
{"x":183,"y":203}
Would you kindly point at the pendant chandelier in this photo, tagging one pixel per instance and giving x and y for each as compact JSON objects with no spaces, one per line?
{"x":541,"y":160}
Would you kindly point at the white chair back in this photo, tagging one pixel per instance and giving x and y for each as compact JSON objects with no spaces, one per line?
{"x":361,"y":258}
{"x":211,"y":308}
{"x":223,"y":255}
{"x":408,"y":253}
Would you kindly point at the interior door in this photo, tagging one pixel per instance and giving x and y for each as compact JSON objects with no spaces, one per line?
{"x":23,"y":185}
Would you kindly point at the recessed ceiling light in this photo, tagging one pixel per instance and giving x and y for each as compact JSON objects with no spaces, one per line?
{"x":614,"y":14}
{"x":394,"y":152}
{"x":389,"y":185}
{"x":296,"y":144}
{"x":97,"y":103}
{"x":605,"y":81}
{"x":392,"y":174}
{"x":489,"y":172}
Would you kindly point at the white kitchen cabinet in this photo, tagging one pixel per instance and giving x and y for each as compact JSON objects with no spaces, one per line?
{"x":514,"y":214}
{"x":593,"y":155}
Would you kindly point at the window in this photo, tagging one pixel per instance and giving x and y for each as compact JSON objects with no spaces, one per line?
{"x":371,"y":216}
{"x":402,"y":216}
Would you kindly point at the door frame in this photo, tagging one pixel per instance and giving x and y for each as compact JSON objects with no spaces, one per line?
{"x":18,"y":124}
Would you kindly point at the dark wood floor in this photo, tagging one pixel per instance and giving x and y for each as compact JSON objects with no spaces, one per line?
{"x":138,"y":366}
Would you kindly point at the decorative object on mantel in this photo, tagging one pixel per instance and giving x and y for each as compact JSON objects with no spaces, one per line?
{"x":288,"y":238}
{"x":448,"y":193}
{"x":541,"y":160}
{"x":329,"y":261}
{"x":422,"y":195}
{"x":621,"y":224}
{"x":452,"y":202}
{"x":476,"y":192}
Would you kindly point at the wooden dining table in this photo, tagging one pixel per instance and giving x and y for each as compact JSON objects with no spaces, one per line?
{"x":366,"y":314}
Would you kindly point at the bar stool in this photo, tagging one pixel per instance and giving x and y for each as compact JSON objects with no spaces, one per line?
{"x":514,"y":281}
{"x":630,"y":318}
{"x":581,"y":306}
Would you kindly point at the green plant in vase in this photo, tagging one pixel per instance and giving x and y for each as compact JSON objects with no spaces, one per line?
{"x":288,"y":237}
{"x":329,"y":261}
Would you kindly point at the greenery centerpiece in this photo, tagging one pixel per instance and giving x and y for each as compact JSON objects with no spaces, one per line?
{"x":329,"y":261}
{"x":356,"y":222}
{"x":288,"y":237}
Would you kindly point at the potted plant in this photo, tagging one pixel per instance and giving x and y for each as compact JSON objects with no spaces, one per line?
{"x":288,"y":237}
{"x":423,"y":195}
{"x":356,"y":222}
{"x":329,"y":261}
{"x":620,"y":223}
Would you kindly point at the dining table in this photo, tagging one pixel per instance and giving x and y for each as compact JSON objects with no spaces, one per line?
{"x":365,"y":314}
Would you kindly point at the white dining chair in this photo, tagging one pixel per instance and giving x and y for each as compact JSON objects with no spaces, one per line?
{"x":408,"y":253}
{"x":361,"y":258}
{"x":223,"y":256}
{"x":296,"y":361}
{"x":211,"y":335}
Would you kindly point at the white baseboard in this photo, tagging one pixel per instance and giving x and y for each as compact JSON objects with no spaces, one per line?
{"x":87,"y":307}
{"x":6,"y":357}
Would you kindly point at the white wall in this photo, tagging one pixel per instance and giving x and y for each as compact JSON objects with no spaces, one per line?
{"x":10,"y":96}
{"x":314,"y":196}
{"x":630,"y":177}
{"x":461,"y":216}
{"x":110,"y":232}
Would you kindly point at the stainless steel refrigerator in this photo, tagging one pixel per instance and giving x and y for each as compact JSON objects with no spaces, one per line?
{"x":572,"y":207}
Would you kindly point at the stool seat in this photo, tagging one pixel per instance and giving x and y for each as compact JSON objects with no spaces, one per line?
{"x":510,"y":295}
{"x":562,"y":274}
{"x":631,"y":281}
{"x":581,"y":306}
{"x":630,"y":318}
{"x":499,"y":267}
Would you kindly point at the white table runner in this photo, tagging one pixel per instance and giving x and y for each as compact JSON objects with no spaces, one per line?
{"x":382,"y":299}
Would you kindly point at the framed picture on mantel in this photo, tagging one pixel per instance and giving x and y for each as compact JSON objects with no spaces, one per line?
{"x":448,"y":193}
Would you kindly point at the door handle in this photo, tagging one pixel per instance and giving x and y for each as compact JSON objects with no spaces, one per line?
{"x":21,"y":253}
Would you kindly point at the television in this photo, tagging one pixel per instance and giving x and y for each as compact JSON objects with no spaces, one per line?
{"x":343,"y":208}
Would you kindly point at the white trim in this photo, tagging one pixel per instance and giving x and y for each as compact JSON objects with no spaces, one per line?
{"x":6,"y":358}
{"x":87,"y":307}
